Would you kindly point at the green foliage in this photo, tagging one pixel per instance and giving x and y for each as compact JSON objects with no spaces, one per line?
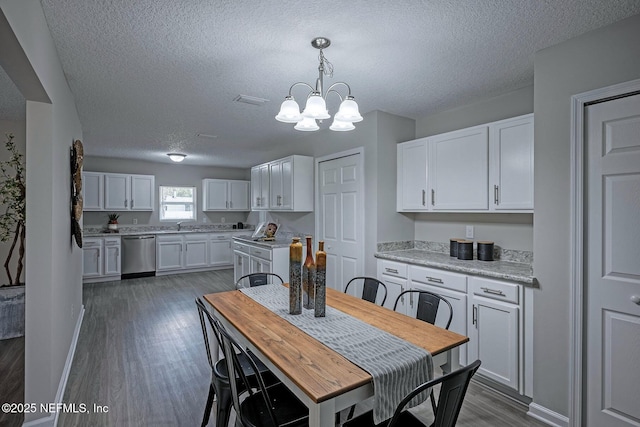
{"x":12,"y":191}
{"x":113,"y":217}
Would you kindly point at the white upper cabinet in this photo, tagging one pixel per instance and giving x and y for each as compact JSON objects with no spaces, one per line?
{"x":484,"y":168}
{"x":93,"y":191}
{"x":459,"y":170}
{"x":260,"y":187}
{"x":225,"y":195}
{"x":412,"y":176}
{"x":289,"y":182}
{"x":123,"y":192}
{"x":511,"y":164}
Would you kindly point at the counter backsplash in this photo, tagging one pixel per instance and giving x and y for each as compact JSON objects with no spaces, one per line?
{"x":499,"y":253}
{"x":95,"y":229}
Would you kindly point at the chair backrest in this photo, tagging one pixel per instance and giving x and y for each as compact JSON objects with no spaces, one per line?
{"x":259,"y":279}
{"x":428,"y":305}
{"x":231,"y":349}
{"x":370,"y":288}
{"x":452,"y":391}
{"x":206,"y":322}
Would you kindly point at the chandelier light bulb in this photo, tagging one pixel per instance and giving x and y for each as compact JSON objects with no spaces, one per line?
{"x":289,"y":111}
{"x":316,"y":108}
{"x":307,"y":124}
{"x":341,"y":126}
{"x":348,"y":111}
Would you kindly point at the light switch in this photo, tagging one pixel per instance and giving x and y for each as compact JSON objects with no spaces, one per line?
{"x":469,"y":233}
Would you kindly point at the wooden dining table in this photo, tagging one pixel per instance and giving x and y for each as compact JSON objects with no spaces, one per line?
{"x":325,"y":381}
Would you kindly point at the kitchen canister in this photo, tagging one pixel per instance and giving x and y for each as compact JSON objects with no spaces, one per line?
{"x":485,"y":251}
{"x":465,"y":249}
{"x":453,"y":246}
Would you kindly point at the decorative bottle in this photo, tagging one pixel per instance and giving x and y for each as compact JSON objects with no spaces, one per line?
{"x":295,"y":279}
{"x":321,"y":284}
{"x":308,"y":277}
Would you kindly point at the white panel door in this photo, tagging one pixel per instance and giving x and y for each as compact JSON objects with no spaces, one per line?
{"x":116,"y":191}
{"x":142,"y":191}
{"x":459,"y":170}
{"x":612,"y":383}
{"x":341,"y":215}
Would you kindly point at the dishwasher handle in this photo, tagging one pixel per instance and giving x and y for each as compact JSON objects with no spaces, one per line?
{"x":138,"y":237}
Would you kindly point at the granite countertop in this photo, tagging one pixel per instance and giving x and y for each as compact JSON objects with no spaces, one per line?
{"x":137,"y":231}
{"x":504,"y":270}
{"x":280,"y":242}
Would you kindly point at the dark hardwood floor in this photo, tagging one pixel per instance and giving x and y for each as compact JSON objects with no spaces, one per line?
{"x":140,"y":354}
{"x":11,"y":378}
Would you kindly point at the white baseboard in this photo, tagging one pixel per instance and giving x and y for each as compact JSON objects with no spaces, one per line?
{"x":52,"y":420}
{"x":547,"y":416}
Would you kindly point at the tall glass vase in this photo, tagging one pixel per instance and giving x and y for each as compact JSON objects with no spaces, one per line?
{"x":295,"y":278}
{"x":321,"y":284}
{"x":308,"y":277}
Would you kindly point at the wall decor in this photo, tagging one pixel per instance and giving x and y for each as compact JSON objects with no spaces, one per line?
{"x":77,"y":158}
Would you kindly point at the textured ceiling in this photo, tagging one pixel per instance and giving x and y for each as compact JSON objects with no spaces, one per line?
{"x":149,"y":75}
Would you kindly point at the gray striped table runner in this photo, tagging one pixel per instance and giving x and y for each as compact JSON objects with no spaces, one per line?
{"x":395,"y":365}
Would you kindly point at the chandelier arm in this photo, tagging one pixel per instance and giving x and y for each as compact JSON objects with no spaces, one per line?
{"x":326,"y":95}
{"x":300,"y":84}
{"x":339,"y":83}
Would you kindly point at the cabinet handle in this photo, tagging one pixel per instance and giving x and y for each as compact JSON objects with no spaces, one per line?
{"x":391,"y":270}
{"x":257,"y":201}
{"x":424,"y":195}
{"x":493,"y":292}
{"x":226,"y":205}
{"x":125,"y":203}
{"x":433,"y":197}
{"x":474,"y":317}
{"x":495,"y":194}
{"x":434,"y":279}
{"x":411,"y":299}
{"x":230,"y":204}
{"x":279,"y":200}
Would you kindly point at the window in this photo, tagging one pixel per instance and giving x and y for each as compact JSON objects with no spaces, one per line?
{"x":177,"y":203}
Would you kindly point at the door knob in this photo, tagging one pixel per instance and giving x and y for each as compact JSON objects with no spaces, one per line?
{"x":636,"y":299}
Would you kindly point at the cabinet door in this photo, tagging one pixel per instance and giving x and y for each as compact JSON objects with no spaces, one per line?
{"x":195,"y":251}
{"x":169,"y":253}
{"x":142,"y":192}
{"x":412,"y":176}
{"x":239,"y":195}
{"x":275,"y":185}
{"x":511,"y":164}
{"x":286,"y":195}
{"x":241,"y":266}
{"x":93,"y":191}
{"x":259,"y":265}
{"x":215,"y":195}
{"x":220,"y":252}
{"x":116,"y":191}
{"x":255,"y":188}
{"x":264,"y":186}
{"x":111,"y":256}
{"x":459,"y":170}
{"x":92,"y":258}
{"x":458,"y":302}
{"x":493,"y":338}
{"x":395,"y":286}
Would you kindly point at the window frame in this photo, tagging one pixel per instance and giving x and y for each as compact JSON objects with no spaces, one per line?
{"x":162,"y":203}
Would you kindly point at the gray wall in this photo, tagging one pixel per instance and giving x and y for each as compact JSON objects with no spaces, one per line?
{"x":165,"y":174}
{"x":18,"y":129}
{"x":511,"y":231}
{"x":597,"y":59}
{"x":54,"y":262}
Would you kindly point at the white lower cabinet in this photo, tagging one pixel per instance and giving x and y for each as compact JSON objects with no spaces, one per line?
{"x":179,"y":252}
{"x":196,"y":250}
{"x":494,"y":332}
{"x":490,"y":312}
{"x":248,"y":258}
{"x":100,"y":259}
{"x":220,"y":250}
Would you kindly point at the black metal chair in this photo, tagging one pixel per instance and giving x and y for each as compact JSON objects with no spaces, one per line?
{"x":370,"y":288}
{"x":220,"y":385}
{"x":259,"y":279}
{"x":428,"y":306}
{"x":264,"y":405}
{"x":452,"y":391}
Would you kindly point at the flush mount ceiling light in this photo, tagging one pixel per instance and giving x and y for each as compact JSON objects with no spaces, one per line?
{"x":177,"y":157}
{"x":316,"y":106}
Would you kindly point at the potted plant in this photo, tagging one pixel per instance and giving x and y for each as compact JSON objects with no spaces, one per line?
{"x":12,"y":228}
{"x":113,"y":221}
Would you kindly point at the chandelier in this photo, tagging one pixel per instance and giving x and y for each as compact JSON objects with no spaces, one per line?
{"x":316,"y":106}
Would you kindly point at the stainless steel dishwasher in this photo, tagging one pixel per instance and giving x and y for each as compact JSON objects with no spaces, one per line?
{"x":138,"y":256}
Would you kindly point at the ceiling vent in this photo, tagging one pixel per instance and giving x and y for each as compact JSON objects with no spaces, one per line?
{"x":253,"y":100}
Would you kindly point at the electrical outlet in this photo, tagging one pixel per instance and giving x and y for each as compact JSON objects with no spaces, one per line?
{"x":469,"y":232}
{"x":135,"y":221}
{"x":222,"y":220}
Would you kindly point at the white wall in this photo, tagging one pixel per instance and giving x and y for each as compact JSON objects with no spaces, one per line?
{"x":597,"y":59}
{"x":510,"y":231}
{"x":54,"y":262}
{"x":18,"y":129}
{"x":165,"y":174}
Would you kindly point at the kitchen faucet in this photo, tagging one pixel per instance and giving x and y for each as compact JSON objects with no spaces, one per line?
{"x":179,"y":223}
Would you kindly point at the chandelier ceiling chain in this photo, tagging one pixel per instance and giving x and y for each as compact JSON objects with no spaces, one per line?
{"x":316,"y":108}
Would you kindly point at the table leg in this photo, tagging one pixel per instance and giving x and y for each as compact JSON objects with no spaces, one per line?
{"x":323,"y":414}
